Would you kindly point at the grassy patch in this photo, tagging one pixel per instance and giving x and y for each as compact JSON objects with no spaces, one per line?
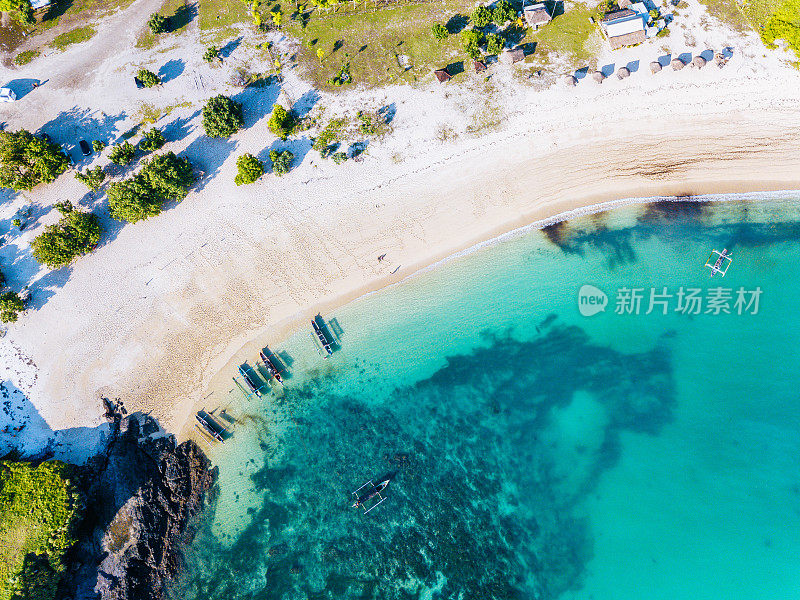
{"x":39,"y":508}
{"x":179,"y":14}
{"x":23,"y":58}
{"x":76,"y":36}
{"x":784,"y":24}
{"x":571,"y":34}
{"x":389,"y":45}
{"x":216,"y":14}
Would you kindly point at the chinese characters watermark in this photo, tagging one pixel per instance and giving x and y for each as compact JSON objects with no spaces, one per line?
{"x":683,"y":300}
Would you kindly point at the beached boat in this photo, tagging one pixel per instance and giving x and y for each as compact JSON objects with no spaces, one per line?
{"x":317,"y":323}
{"x":267,"y":359}
{"x":211,"y":426}
{"x":250,"y":379}
{"x":368,"y":496}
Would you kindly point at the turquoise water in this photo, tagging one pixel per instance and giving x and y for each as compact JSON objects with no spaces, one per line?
{"x":535,"y":452}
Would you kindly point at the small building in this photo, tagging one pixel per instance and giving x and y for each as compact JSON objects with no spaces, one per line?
{"x":625,"y":27}
{"x":699,"y":62}
{"x":536,"y":15}
{"x":623,"y":72}
{"x":655,"y":66}
{"x":570,"y":81}
{"x":677,"y":64}
{"x":37,"y":4}
{"x":442,"y":75}
{"x":512,"y":56}
{"x":598,"y":76}
{"x":479,"y":66}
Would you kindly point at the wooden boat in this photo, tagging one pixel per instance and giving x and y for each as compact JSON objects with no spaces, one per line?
{"x":210,"y":425}
{"x":368,"y":496}
{"x":321,"y":336}
{"x":271,"y":367}
{"x":247,"y":374}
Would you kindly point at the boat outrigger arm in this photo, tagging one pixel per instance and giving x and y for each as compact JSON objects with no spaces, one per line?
{"x":368,"y":493}
{"x":720,"y":265}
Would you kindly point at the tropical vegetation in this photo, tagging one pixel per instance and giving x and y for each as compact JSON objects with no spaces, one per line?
{"x":75,"y":234}
{"x":27,"y":160}
{"x":222,"y":117}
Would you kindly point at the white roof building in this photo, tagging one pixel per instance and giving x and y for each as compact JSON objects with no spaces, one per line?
{"x":618,"y":28}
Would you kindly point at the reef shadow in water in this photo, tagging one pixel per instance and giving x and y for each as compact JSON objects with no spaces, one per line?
{"x":480,"y":506}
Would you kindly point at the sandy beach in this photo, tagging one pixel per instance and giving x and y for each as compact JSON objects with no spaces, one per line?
{"x":163,"y":310}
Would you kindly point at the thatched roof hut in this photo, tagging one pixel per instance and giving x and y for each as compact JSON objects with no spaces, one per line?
{"x":569,"y":80}
{"x":677,"y":64}
{"x":699,"y":62}
{"x":512,"y":56}
{"x":442,"y":75}
{"x":623,"y":72}
{"x":655,"y":66}
{"x":479,"y":65}
{"x":598,"y":76}
{"x":720,"y":60}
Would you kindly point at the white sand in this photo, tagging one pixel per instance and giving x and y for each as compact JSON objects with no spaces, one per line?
{"x":165,"y":306}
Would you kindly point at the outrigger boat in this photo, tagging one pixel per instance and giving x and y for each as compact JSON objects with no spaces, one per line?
{"x":249,"y":379}
{"x":210,"y":425}
{"x":273,"y":370}
{"x":321,"y":336}
{"x":721,"y":257}
{"x":368,"y":493}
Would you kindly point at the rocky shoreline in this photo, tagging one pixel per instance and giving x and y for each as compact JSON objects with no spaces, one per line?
{"x":144,"y":495}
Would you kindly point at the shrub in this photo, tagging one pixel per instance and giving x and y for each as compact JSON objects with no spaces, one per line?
{"x":157,"y":23}
{"x":494,"y":43}
{"x":281,"y":122}
{"x":211,"y":54}
{"x":148,"y":78}
{"x":339,"y":157}
{"x":142,"y":196}
{"x":328,"y":135}
{"x":471,"y":40}
{"x":250,"y":169}
{"x":342,"y":76}
{"x":93,"y":178}
{"x":440,"y":31}
{"x":663,"y":33}
{"x":481,"y":16}
{"x":371,"y":123}
{"x":77,"y":233}
{"x":98,"y":146}
{"x":122,"y":154}
{"x":10,"y":307}
{"x":222,"y":117}
{"x":281,"y":161}
{"x":27,"y":160}
{"x":503,"y":12}
{"x":20,"y":10}
{"x":152,"y":140}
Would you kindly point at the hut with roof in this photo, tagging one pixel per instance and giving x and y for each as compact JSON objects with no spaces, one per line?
{"x":512,"y":56}
{"x":443,"y":75}
{"x":677,"y":64}
{"x":655,"y":67}
{"x":536,"y":15}
{"x":623,"y":28}
{"x":699,"y":62}
{"x":598,"y":76}
{"x":720,"y":60}
{"x":570,"y":81}
{"x":623,"y":72}
{"x":479,"y":66}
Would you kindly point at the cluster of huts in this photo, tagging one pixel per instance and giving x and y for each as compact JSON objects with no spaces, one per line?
{"x":676,"y":63}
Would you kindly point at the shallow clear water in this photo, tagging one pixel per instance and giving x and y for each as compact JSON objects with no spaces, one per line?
{"x":535,"y":452}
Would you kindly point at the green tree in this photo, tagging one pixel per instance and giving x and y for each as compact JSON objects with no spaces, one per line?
{"x":10,"y":307}
{"x":250,"y":169}
{"x":148,"y":78}
{"x":222,"y":117}
{"x":157,"y":23}
{"x":26,"y":160}
{"x":472,"y":39}
{"x":122,"y":154}
{"x":481,"y":16}
{"x":77,"y":233}
{"x":169,"y":176}
{"x":152,"y":140}
{"x":281,"y":161}
{"x":211,"y":54}
{"x":440,"y":31}
{"x":133,"y":200}
{"x":281,"y":122}
{"x":20,"y":10}
{"x":98,"y":146}
{"x":494,"y":43}
{"x":503,"y":12}
{"x":93,"y":178}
